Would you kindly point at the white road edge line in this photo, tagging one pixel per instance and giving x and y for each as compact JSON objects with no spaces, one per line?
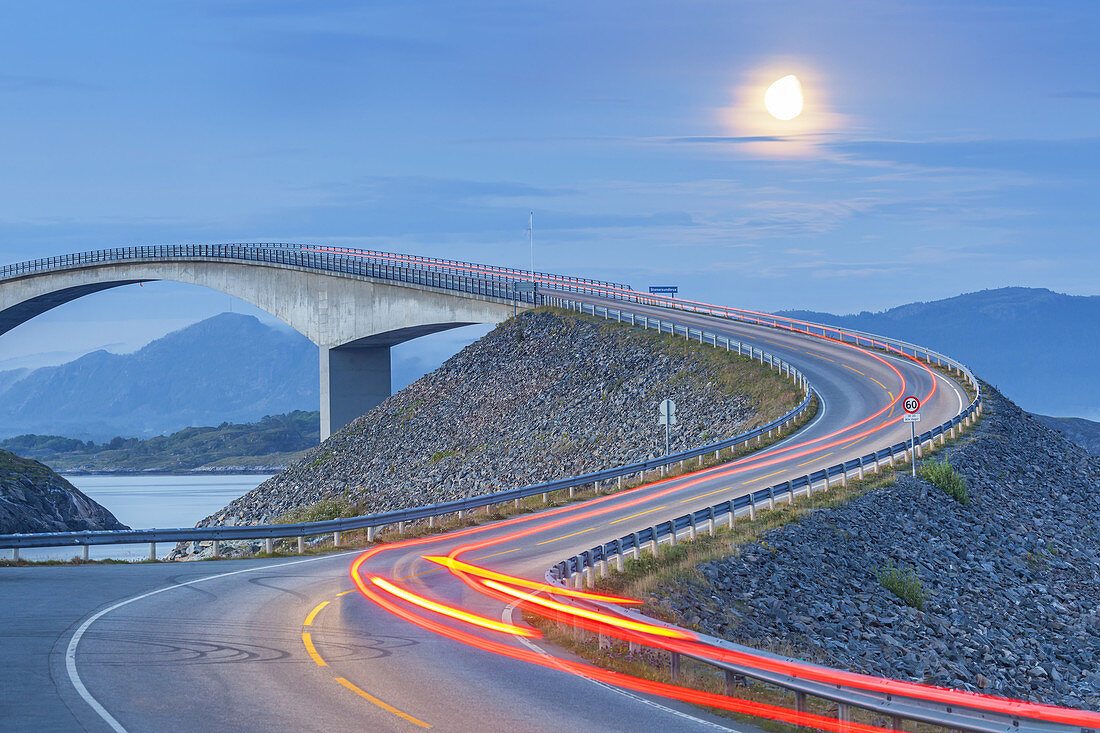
{"x":70,"y":652}
{"x":506,"y":617}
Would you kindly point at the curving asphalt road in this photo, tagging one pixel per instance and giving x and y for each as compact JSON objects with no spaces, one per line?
{"x":292,"y":645}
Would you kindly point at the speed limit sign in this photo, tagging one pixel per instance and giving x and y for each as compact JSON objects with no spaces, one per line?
{"x":910,"y":404}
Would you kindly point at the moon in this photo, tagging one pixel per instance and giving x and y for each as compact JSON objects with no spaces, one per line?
{"x":783,"y":100}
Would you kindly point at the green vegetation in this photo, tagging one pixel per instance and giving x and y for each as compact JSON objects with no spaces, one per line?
{"x":904,"y":583}
{"x":947,"y":478}
{"x":439,"y":455}
{"x":273,"y":441}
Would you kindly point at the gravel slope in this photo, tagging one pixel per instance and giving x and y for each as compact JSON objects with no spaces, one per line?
{"x":544,"y":395}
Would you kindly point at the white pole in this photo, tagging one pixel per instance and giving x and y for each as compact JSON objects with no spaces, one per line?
{"x":913,"y":446}
{"x":531,"y":236}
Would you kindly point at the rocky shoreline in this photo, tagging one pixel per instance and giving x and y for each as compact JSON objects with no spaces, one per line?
{"x":35,"y":499}
{"x":544,"y":395}
{"x":1011,"y":580}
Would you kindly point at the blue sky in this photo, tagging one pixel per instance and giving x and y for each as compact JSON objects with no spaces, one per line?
{"x":946,"y":146}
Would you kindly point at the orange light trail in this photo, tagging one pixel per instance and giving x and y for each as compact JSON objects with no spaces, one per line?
{"x":470,"y":618}
{"x":602,"y":618}
{"x":458,"y":565}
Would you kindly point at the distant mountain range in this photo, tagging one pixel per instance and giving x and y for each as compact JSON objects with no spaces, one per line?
{"x":1038,"y":347}
{"x":229,"y":368}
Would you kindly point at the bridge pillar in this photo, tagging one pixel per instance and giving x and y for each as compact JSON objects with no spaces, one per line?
{"x":354,"y":379}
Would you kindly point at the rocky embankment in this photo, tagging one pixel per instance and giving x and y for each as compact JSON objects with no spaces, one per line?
{"x":35,"y":499}
{"x":542,"y":396}
{"x":1012,"y":580}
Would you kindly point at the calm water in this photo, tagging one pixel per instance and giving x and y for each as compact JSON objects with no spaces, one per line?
{"x":144,"y":502}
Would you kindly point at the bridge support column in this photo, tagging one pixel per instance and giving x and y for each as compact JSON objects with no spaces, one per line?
{"x":354,"y":379}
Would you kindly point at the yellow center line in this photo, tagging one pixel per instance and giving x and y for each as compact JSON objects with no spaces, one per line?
{"x":647,"y":511}
{"x":815,"y":458}
{"x":307,"y":639}
{"x":859,"y":372}
{"x":761,"y":478}
{"x":436,"y":570}
{"x":883,"y":386}
{"x":819,"y":356}
{"x":313,"y":614}
{"x":709,"y":493}
{"x":384,"y":705}
{"x":853,"y":443}
{"x":565,"y":537}
{"x":347,"y":591}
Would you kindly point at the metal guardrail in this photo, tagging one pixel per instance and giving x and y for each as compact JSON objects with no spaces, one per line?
{"x":464,"y":277}
{"x":460,"y":506}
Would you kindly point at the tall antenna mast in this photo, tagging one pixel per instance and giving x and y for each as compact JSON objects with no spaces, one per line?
{"x":531,"y":236}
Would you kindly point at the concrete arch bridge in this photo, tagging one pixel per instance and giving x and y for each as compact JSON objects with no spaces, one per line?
{"x":354,"y":304}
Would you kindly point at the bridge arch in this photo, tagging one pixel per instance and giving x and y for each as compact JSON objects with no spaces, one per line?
{"x":353,"y":313}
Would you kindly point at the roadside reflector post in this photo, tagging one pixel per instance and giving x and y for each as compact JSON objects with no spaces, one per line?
{"x":152,"y":550}
{"x":301,"y":545}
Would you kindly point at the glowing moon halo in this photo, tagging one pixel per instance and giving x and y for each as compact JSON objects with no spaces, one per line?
{"x":783,"y":100}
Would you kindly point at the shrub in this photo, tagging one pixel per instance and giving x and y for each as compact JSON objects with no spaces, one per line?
{"x":947,"y":478}
{"x":903,"y":583}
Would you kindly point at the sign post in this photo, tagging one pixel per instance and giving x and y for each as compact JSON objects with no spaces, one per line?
{"x":521,"y":286}
{"x":667,"y":416}
{"x":911,"y":405}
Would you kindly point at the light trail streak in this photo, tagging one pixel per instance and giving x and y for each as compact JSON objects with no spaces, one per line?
{"x":461,"y":567}
{"x":445,"y":610}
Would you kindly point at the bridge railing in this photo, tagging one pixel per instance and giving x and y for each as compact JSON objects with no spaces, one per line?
{"x":459,"y":506}
{"x":464,"y":277}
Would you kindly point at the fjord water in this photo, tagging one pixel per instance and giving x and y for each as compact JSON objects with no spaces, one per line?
{"x":148,"y":501}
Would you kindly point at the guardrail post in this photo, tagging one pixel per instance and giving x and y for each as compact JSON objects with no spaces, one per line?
{"x":860,"y":469}
{"x":269,"y":545}
{"x":370,"y":533}
{"x":653,"y":542}
{"x":710,"y":521}
{"x":844,"y":715}
{"x":691,"y":526}
{"x":217,"y":548}
{"x":800,"y":701}
{"x":731,"y":682}
{"x":571,"y":490}
{"x":771,"y":497}
{"x":674,"y":666}
{"x":672,"y":533}
{"x":301,"y":545}
{"x":152,"y":550}
{"x":733,"y":515}
{"x":896,"y":723}
{"x":844,"y":476}
{"x":15,"y":554}
{"x":431,"y":522}
{"x":335,"y":539}
{"x":752,"y":508}
{"x":84,"y":553}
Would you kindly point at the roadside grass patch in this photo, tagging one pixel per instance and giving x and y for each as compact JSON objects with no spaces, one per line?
{"x":904,"y":583}
{"x":941,"y":474}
